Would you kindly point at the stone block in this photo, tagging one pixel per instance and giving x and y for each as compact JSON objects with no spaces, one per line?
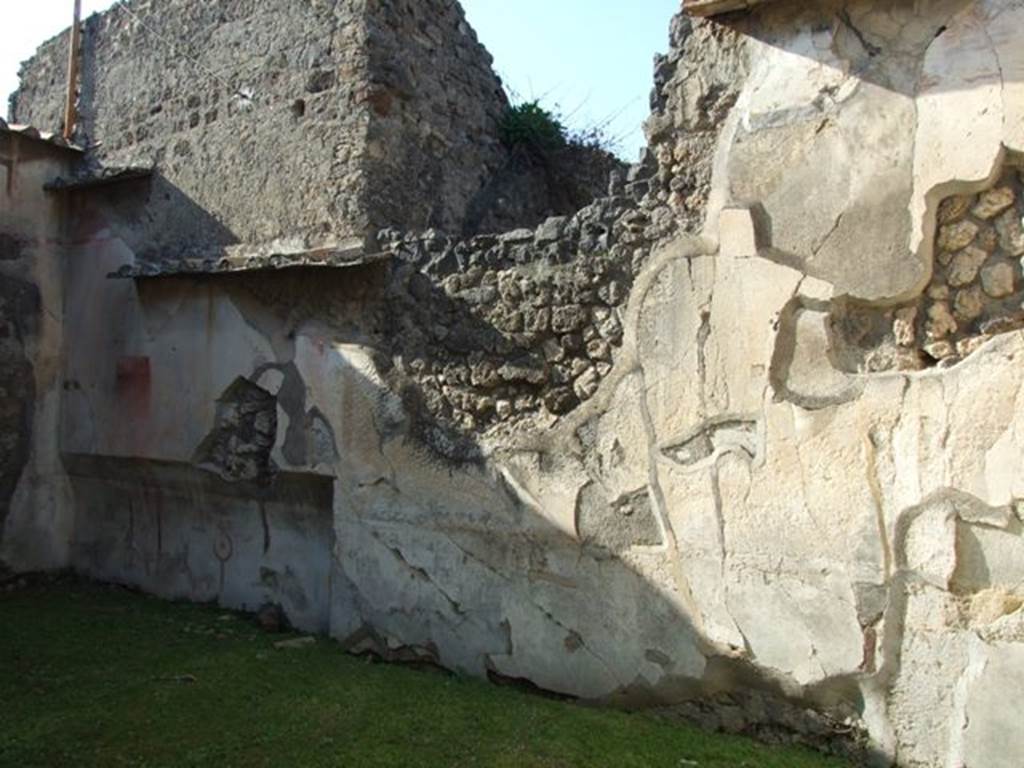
{"x":738,"y":233}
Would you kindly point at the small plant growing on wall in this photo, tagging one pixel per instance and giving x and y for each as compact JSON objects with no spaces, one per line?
{"x":542,"y":132}
{"x":531,"y":127}
{"x":570,"y":165}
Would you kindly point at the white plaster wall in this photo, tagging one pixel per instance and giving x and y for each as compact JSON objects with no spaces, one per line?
{"x":849,"y":153}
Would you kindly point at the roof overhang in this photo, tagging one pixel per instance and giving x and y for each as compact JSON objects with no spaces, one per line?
{"x":105,"y":177}
{"x":325,"y":258}
{"x":54,"y":140}
{"x":716,"y":7}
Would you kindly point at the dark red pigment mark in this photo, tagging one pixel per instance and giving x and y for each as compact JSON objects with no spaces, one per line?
{"x":134,"y":381}
{"x":133,"y":388}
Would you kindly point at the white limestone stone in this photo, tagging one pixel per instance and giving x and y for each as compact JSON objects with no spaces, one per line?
{"x":737,"y":234}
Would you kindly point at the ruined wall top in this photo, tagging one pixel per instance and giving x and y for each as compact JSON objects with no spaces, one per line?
{"x":304,"y":108}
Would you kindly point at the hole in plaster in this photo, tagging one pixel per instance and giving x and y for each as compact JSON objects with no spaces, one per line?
{"x":976,"y":289}
{"x":243,"y":436}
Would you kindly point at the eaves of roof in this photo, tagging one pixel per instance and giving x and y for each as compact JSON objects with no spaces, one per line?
{"x":716,"y":7}
{"x":34,"y":134}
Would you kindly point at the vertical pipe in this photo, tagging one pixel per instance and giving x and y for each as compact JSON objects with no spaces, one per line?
{"x":70,"y":111}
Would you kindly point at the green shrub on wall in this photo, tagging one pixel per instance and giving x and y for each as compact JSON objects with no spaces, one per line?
{"x":543,"y":134}
{"x":529,"y":126}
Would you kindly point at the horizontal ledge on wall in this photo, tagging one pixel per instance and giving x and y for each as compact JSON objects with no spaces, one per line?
{"x":716,"y":7}
{"x":319,"y":259}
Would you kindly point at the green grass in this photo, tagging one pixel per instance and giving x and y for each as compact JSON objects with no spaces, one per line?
{"x":99,"y":676}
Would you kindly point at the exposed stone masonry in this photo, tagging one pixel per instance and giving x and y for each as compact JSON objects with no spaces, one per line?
{"x":239,"y":446}
{"x":695,"y":87}
{"x":435,"y":104}
{"x":976,"y":290}
{"x":494,"y":329}
{"x":221,"y":84}
{"x":532,"y":187}
{"x":362,"y":115}
{"x":499,"y":328}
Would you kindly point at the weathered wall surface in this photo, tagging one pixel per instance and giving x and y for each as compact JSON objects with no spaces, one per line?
{"x":183,"y":533}
{"x":433,"y":140}
{"x":361,"y":115}
{"x":200,"y":89}
{"x":496,"y":331}
{"x":34,"y":513}
{"x":695,"y":86}
{"x":872,"y":150}
{"x":531,"y":187}
{"x":695,"y":443}
{"x":434,"y":155}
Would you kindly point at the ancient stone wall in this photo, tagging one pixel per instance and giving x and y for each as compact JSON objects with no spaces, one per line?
{"x":974,"y":293}
{"x":435,"y":102}
{"x":198,"y":90}
{"x":531,"y":187}
{"x":499,"y":329}
{"x":435,"y":157}
{"x":666,"y":451}
{"x":696,"y":85}
{"x":362,"y":115}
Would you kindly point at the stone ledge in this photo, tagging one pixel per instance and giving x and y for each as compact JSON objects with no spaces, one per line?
{"x":102,"y":178}
{"x":716,"y":7}
{"x":326,"y":258}
{"x":30,"y":132}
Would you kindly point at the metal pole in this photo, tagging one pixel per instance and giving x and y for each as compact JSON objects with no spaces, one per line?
{"x":70,"y":110}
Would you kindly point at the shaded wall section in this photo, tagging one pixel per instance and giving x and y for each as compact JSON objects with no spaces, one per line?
{"x":33,"y":512}
{"x":181,"y":532}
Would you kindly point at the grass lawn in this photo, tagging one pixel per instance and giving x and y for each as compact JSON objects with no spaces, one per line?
{"x":99,"y":676}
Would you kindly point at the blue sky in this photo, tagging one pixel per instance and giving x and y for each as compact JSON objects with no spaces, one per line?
{"x":590,"y":60}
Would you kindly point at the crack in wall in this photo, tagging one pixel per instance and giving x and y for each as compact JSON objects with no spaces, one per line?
{"x":870,"y":48}
{"x":713,"y":438}
{"x":422,"y":575}
{"x":870,"y":449}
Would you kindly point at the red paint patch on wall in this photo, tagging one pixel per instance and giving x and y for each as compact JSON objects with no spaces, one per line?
{"x":134,"y":381}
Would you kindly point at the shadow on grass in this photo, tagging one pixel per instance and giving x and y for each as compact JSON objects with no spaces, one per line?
{"x":101,"y":676}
